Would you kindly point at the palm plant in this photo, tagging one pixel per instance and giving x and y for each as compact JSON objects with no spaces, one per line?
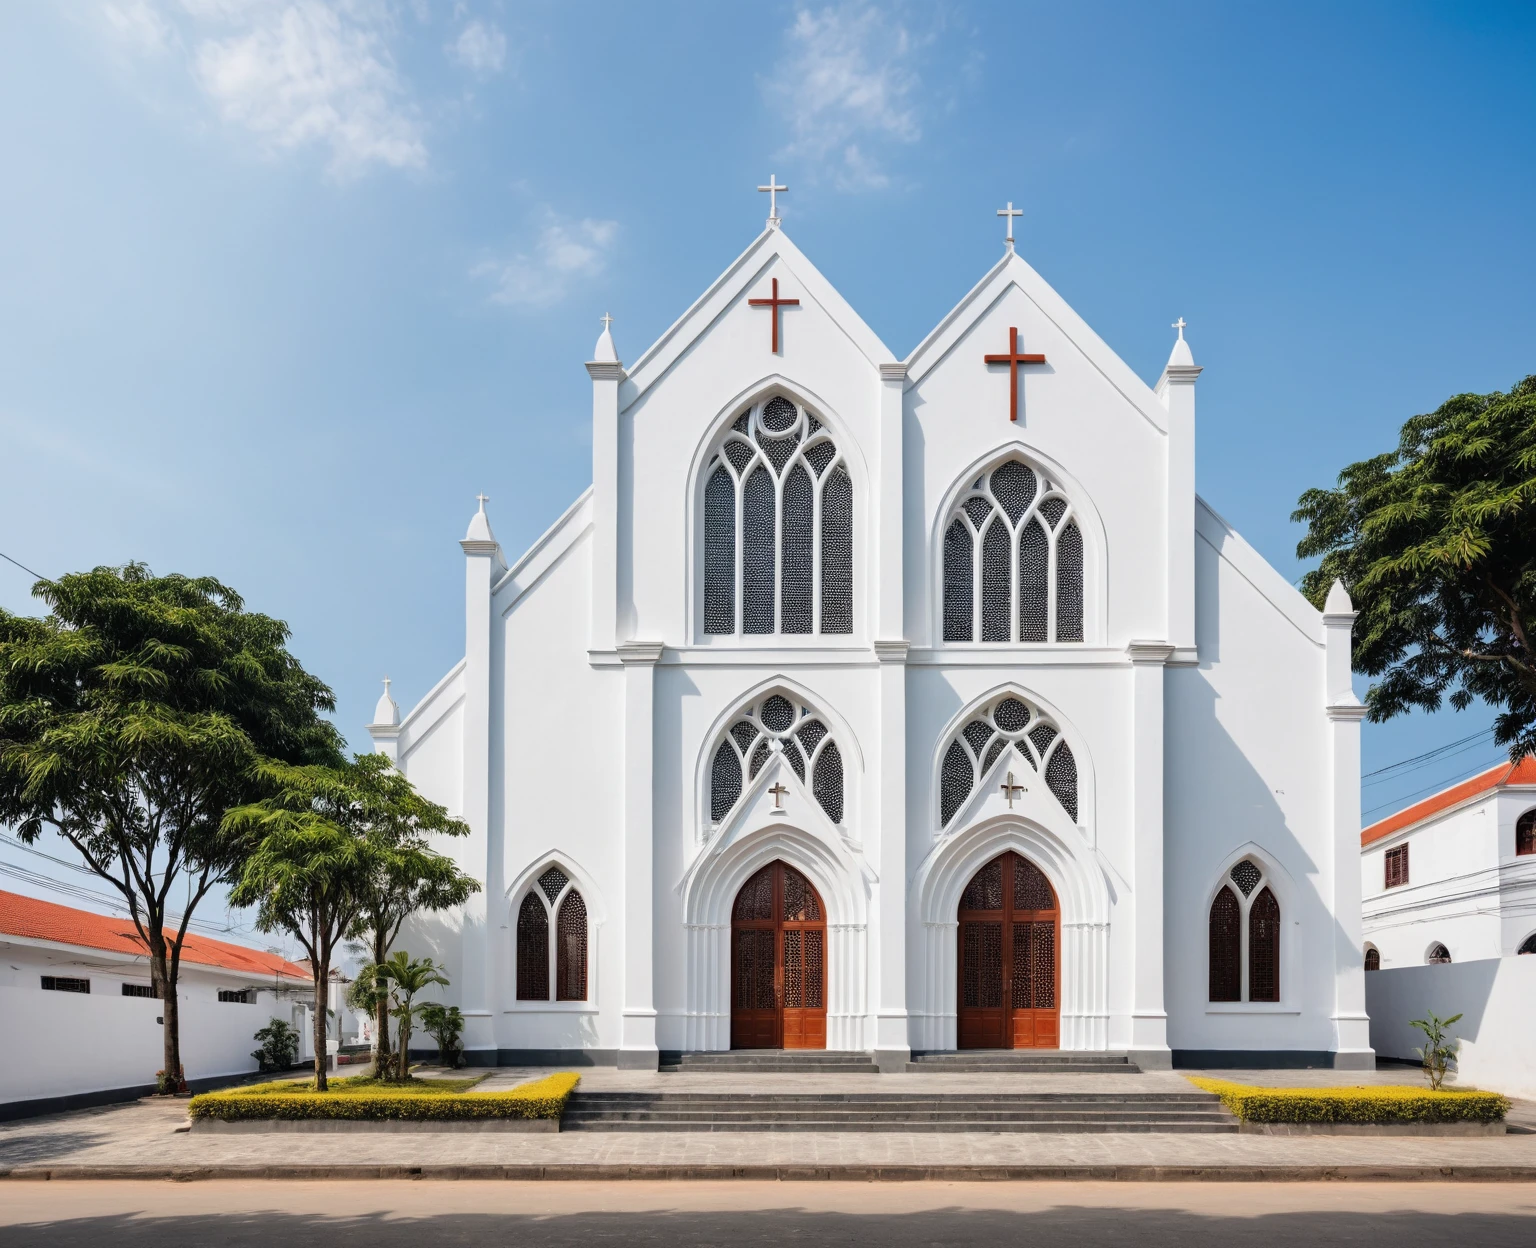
{"x":445,"y":1024}
{"x":406,"y":976}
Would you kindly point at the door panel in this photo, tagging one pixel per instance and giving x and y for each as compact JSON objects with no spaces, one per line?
{"x":1008,"y":987}
{"x":778,"y":963}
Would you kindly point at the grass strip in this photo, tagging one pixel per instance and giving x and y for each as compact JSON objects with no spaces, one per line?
{"x":1378,"y":1105}
{"x":543,"y":1098}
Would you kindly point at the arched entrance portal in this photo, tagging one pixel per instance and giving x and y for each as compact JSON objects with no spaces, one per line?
{"x":1010,"y":975}
{"x":778,"y":963}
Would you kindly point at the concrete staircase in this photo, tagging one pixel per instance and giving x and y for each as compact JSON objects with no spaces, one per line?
{"x":1023,"y":1061}
{"x":770,"y":1062}
{"x":1059,"y":1112}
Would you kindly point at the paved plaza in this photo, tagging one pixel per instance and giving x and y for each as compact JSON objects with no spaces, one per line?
{"x":149,"y":1139}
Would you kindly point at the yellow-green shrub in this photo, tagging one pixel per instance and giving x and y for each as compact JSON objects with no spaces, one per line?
{"x":543,"y":1098}
{"x":1383,"y":1104}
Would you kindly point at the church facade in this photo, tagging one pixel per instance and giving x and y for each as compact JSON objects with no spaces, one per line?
{"x":894,"y":706}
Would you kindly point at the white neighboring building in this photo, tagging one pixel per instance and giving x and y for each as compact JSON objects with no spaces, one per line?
{"x":81,"y":1025}
{"x":1453,"y":878}
{"x":886,"y":704}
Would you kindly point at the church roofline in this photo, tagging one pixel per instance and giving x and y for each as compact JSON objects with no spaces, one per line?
{"x":424,"y":703}
{"x":1015,"y":270}
{"x":658,"y":359}
{"x":1230,"y":545}
{"x":548,"y":545}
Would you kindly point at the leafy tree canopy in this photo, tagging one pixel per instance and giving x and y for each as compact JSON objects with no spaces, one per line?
{"x":132,"y":716}
{"x":1436,"y":543}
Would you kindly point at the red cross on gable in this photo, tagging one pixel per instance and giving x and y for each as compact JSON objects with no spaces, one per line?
{"x":773,"y":305}
{"x":1013,"y":359}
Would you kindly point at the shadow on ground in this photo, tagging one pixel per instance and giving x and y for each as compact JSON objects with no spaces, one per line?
{"x":1066,"y":1225}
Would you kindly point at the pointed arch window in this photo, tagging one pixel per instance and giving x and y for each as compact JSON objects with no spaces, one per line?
{"x":1030,"y":737}
{"x":552,"y":905}
{"x":778,"y":527}
{"x":1245,"y":937}
{"x":776,"y":724}
{"x":1012,"y":561}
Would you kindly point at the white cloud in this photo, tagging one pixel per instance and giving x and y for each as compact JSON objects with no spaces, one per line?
{"x":294,"y":73}
{"x":566,"y":253}
{"x":847,"y":79}
{"x":480,"y":48}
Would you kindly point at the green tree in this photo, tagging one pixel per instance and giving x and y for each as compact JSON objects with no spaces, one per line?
{"x":131,"y":717}
{"x":407,"y":976}
{"x":1436,"y":543}
{"x":408,"y":875}
{"x":308,"y":866}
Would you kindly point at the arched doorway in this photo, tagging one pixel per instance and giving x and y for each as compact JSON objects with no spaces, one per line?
{"x":778,"y":963}
{"x":1010,"y":972}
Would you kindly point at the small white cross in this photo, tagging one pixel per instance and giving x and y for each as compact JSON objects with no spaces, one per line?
{"x":386,"y":686}
{"x":773,"y":188}
{"x":1010,"y":213}
{"x":1179,"y":325}
{"x":606,"y":320}
{"x":483,"y":500}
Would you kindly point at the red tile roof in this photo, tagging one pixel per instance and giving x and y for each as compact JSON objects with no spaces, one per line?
{"x":46,"y":920}
{"x":1523,"y":772}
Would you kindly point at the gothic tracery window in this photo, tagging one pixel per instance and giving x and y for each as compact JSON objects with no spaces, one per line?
{"x":776,"y":724}
{"x":552,"y":906}
{"x":1027,"y":734}
{"x":778,"y":527}
{"x":1245,"y":937}
{"x":1012,"y":560}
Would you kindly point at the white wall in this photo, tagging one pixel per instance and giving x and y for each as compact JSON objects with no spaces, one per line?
{"x":1497,"y":1000}
{"x":66,"y":1043}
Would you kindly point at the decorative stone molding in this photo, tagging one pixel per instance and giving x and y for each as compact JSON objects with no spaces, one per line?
{"x":893,"y":372}
{"x":1347,"y":712}
{"x":643,"y":652}
{"x":894,"y":651}
{"x":601,"y":370}
{"x":1149,"y":652}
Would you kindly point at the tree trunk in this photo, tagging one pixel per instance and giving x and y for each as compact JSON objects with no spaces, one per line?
{"x":322,"y":985}
{"x":381,"y":1067}
{"x":170,"y":1031}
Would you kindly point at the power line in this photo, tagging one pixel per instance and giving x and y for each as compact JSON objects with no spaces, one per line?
{"x":1440,"y":755}
{"x":112,"y":901}
{"x":22,"y":566}
{"x":1428,"y":754}
{"x":1439,"y":784}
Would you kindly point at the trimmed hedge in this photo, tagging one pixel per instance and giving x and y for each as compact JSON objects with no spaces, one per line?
{"x":543,"y":1098}
{"x":1377,"y":1105}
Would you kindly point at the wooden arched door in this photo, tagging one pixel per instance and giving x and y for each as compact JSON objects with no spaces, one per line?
{"x":778,"y":963}
{"x":1010,"y":968}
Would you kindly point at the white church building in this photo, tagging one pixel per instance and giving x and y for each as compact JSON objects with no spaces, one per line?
{"x":894,"y":705}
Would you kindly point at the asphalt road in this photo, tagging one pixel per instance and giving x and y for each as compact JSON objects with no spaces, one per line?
{"x":231,"y":1214}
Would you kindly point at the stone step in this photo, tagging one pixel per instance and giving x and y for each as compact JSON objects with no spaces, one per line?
{"x":769,"y":1061}
{"x":1043,"y":1061}
{"x":877,"y":1111}
{"x":1103,"y":1126}
{"x":885,"y":1098}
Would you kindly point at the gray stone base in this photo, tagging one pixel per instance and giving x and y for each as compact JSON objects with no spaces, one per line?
{"x":892,"y":1061}
{"x":638,"y":1059}
{"x":389,"y":1126}
{"x":1151,"y":1059}
{"x":1372,"y":1128}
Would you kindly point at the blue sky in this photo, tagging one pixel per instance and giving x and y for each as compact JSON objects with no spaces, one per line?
{"x":287,"y":282}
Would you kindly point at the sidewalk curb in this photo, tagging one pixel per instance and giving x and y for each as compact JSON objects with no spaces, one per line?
{"x":795,"y":1173}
